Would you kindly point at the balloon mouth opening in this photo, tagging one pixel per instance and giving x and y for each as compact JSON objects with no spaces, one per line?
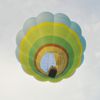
{"x":52,"y":72}
{"x":51,"y":60}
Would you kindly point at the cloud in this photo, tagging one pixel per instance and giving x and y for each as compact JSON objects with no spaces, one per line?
{"x":15,"y":84}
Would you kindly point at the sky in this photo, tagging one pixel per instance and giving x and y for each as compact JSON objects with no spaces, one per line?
{"x":15,"y":84}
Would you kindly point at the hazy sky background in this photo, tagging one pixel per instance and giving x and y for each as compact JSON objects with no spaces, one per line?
{"x":15,"y":84}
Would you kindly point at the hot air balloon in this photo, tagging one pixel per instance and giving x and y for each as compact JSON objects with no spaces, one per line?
{"x":50,"y":47}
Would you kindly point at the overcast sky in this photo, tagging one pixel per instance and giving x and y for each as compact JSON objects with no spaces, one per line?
{"x":15,"y":84}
